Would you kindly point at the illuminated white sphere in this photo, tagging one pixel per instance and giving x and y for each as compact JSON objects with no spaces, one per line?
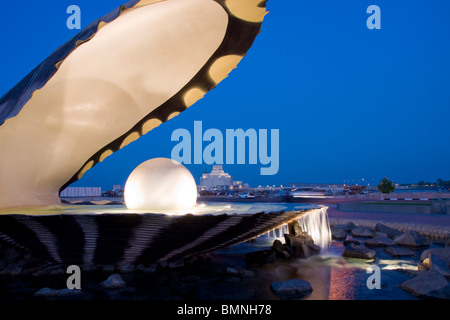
{"x":160,"y":184}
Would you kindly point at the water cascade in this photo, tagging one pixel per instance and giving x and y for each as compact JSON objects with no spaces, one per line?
{"x":314,"y":222}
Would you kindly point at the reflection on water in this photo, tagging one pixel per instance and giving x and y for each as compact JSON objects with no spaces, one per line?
{"x":332,"y":276}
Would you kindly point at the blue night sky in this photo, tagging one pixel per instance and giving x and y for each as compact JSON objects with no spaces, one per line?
{"x":350,"y":103}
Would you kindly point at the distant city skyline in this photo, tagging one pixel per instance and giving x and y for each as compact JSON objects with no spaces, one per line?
{"x":349,"y":102}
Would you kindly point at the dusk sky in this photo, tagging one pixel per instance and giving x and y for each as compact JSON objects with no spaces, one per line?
{"x":349,"y":102}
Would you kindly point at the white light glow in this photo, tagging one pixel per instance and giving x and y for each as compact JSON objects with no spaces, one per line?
{"x":160,"y":184}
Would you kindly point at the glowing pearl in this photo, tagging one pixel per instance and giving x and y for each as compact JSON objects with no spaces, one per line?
{"x":160,"y":184}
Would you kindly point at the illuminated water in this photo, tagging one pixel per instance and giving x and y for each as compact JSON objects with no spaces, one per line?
{"x":315,"y":223}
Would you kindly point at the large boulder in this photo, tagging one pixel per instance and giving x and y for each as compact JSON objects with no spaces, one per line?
{"x":379,"y":241}
{"x":338,"y":233}
{"x":435,"y":263}
{"x":359,"y":252}
{"x":411,"y":239}
{"x":291,"y":289}
{"x":294,"y":228}
{"x":302,"y":245}
{"x":400,"y":252}
{"x":442,"y":253}
{"x":362,"y":232}
{"x":280,"y":249}
{"x":294,"y":240}
{"x":390,"y":232}
{"x":424,"y":283}
{"x":303,"y":251}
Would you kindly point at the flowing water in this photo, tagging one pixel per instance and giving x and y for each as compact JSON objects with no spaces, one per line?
{"x":314,"y":222}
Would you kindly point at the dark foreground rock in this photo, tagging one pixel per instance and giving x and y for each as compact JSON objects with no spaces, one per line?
{"x":301,"y":245}
{"x":425,"y":283}
{"x":280,"y":250}
{"x":358,"y":251}
{"x":411,"y":239}
{"x":291,"y":289}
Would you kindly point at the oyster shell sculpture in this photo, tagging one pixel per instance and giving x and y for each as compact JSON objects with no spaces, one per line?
{"x":119,"y":78}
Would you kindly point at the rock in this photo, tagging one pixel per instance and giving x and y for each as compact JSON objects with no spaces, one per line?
{"x":313,"y":247}
{"x":359,"y":252}
{"x":350,"y":241}
{"x":260,"y":257}
{"x":127,"y":268}
{"x":421,"y":267}
{"x":380,"y":234}
{"x":280,"y":250}
{"x":294,"y":228}
{"x":441,"y":294}
{"x":442,"y":253}
{"x":291,"y":289}
{"x":400,"y":252}
{"x":379,"y":241}
{"x":411,"y":239}
{"x":425,"y":283}
{"x":338,"y":234}
{"x":435,"y":263}
{"x":362,"y":232}
{"x":48,"y":292}
{"x":292,"y":240}
{"x":289,"y":250}
{"x":302,"y":251}
{"x":114,"y":281}
{"x":390,"y":232}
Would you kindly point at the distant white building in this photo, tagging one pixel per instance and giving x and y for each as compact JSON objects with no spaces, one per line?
{"x":216,"y":180}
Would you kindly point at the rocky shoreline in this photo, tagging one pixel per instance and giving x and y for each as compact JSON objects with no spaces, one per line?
{"x":433,"y":266}
{"x":236,"y":276}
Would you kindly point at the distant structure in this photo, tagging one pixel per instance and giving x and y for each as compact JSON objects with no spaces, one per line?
{"x":239,"y":185}
{"x":78,"y":192}
{"x":216,"y":180}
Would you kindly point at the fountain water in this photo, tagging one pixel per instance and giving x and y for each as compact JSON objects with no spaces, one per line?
{"x":314,"y":222}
